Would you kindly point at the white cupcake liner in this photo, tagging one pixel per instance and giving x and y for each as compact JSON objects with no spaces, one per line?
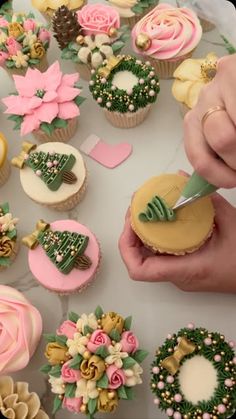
{"x":128,"y":119}
{"x":62,"y":135}
{"x":5,"y":171}
{"x":165,"y":68}
{"x":13,"y":255}
{"x":42,"y":66}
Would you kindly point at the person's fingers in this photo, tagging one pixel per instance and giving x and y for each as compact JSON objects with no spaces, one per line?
{"x":224,"y":74}
{"x":224,"y":211}
{"x":183,"y":173}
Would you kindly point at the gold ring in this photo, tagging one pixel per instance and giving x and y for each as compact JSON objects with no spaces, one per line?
{"x":211,"y":111}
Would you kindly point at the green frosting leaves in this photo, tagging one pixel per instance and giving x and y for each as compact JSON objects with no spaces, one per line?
{"x":157,"y":210}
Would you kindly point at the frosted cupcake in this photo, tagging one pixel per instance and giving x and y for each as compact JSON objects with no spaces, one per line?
{"x":15,"y":397}
{"x":89,"y":36}
{"x":125,"y":88}
{"x":23,"y":43}
{"x":5,"y":168}
{"x":132,"y":11}
{"x":48,"y":7}
{"x":167,"y":36}
{"x":190,"y":77}
{"x":193,"y":375}
{"x":21,"y":330}
{"x":8,"y":237}
{"x":45,"y":104}
{"x":57,"y":172}
{"x":64,"y":256}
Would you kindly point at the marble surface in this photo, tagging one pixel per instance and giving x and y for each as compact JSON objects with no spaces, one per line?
{"x":157,"y":308}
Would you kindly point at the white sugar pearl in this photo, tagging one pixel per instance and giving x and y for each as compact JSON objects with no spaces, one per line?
{"x":131,"y":107}
{"x":108,"y":104}
{"x":99,"y":100}
{"x":38,"y":172}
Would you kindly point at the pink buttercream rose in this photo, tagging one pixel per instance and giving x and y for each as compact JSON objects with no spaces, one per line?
{"x":3,"y":57}
{"x":98,"y":338}
{"x":67,"y":328}
{"x":129,"y":342}
{"x":29,"y":25}
{"x":98,"y":18}
{"x":116,"y":377}
{"x":44,"y":35}
{"x":173,"y":32}
{"x":3,"y":22}
{"x":68,"y":374}
{"x":73,"y":405}
{"x":12,"y":46}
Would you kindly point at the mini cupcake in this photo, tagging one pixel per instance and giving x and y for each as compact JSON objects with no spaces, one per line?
{"x":205,"y":23}
{"x":64,"y":256}
{"x":8,"y":237}
{"x":15,"y":398}
{"x":89,"y":36}
{"x":57,"y":172}
{"x":21,"y":330}
{"x":23,"y":44}
{"x":167,"y":36}
{"x":5,"y":7}
{"x":190,"y":77}
{"x":5,"y":168}
{"x":93,"y":362}
{"x":125,"y":88}
{"x":48,"y":7}
{"x":132,"y":11}
{"x":46,"y":104}
{"x":166,"y":231}
{"x":193,"y":375}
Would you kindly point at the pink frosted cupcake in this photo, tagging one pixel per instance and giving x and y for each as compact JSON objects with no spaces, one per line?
{"x":167,"y":36}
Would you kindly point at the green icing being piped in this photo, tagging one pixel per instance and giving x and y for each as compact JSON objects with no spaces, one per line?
{"x":157,"y":210}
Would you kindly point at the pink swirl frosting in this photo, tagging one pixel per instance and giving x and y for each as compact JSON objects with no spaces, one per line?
{"x":98,"y":18}
{"x":173,"y":32}
{"x":20,"y":330}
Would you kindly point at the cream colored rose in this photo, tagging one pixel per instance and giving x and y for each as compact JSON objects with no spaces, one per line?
{"x":124,"y":7}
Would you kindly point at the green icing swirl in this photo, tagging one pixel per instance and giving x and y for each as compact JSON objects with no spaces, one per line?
{"x":157,"y":210}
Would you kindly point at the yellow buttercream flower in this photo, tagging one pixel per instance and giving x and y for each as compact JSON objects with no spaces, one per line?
{"x":56,"y":354}
{"x":190,"y":77}
{"x":37,"y":50}
{"x":107,"y":401}
{"x":15,"y":29}
{"x":112,"y":321}
{"x":93,"y":368}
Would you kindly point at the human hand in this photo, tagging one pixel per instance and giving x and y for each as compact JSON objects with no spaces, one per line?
{"x":211,"y":268}
{"x":216,"y":137}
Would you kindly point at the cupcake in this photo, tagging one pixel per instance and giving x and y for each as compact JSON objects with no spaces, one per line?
{"x":8,"y":237}
{"x":64,"y":256}
{"x":23,"y":43}
{"x":166,"y":231}
{"x":193,"y":375}
{"x":205,"y":23}
{"x":190,"y":77}
{"x":48,"y":7}
{"x":15,"y":398}
{"x":125,"y":88}
{"x":5,"y":168}
{"x":46,"y":104}
{"x":93,"y":362}
{"x":57,"y":172}
{"x":5,"y":7}
{"x":167,"y":36}
{"x":132,"y":11}
{"x":21,"y":330}
{"x":89,"y":36}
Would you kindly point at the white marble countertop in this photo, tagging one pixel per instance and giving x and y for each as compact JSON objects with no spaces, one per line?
{"x":157,"y":309}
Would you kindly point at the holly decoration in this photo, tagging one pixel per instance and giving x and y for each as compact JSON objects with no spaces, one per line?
{"x":65,"y":26}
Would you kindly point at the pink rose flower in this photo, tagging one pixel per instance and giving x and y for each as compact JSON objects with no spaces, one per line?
{"x":116,"y":377}
{"x":129,"y":342}
{"x":3,"y":22}
{"x":68,"y":374}
{"x":44,"y":35}
{"x":12,"y":46}
{"x":3,"y":57}
{"x":98,"y":338}
{"x":67,"y":328}
{"x":98,"y":18}
{"x":73,"y":405}
{"x":29,"y":25}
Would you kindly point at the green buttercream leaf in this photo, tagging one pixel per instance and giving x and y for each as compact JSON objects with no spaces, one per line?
{"x":5,"y":208}
{"x":98,"y":312}
{"x":50,"y":337}
{"x":103,"y":382}
{"x":20,"y":38}
{"x":87,"y":330}
{"x":70,"y":390}
{"x":61,"y":339}
{"x":79,"y":100}
{"x":66,"y":54}
{"x":140,"y":355}
{"x":115,"y":335}
{"x":102,"y":351}
{"x":92,"y":405}
{"x":47,"y":128}
{"x":127,"y":323}
{"x":128,"y":362}
{"x":12,"y":234}
{"x":60,"y":123}
{"x":10,"y":64}
{"x":117,"y":46}
{"x":137,"y":9}
{"x":56,"y":404}
{"x":75,"y":59}
{"x":5,"y":261}
{"x":25,"y":50}
{"x":34,"y":61}
{"x":130,"y":393}
{"x":55,"y":371}
{"x":73,"y":317}
{"x":75,"y":364}
{"x":46,"y":368}
{"x":122,"y":393}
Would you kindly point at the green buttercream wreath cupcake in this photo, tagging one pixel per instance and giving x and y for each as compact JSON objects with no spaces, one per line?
{"x":125,"y":88}
{"x":193,"y":375}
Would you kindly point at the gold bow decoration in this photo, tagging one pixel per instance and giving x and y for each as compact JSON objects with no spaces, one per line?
{"x":31,"y":241}
{"x":172,"y":363}
{"x":112,"y":63}
{"x":19,"y":160}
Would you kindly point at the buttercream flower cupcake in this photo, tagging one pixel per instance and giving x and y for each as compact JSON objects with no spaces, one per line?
{"x":131,"y":11}
{"x":48,"y":7}
{"x":125,"y":88}
{"x":167,"y":36}
{"x":5,"y":168}
{"x":89,"y":36}
{"x":93,"y":362}
{"x":23,"y":43}
{"x":190,"y":77}
{"x":64,"y":256}
{"x":193,"y":375}
{"x":21,"y":330}
{"x":57,"y":172}
{"x":166,"y":231}
{"x":9,"y":245}
{"x":205,"y":23}
{"x":15,"y":397}
{"x":45,"y":104}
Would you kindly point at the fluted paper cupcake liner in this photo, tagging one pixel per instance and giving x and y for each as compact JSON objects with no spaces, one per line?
{"x":183,"y":109}
{"x":128,"y":119}
{"x":13,"y":255}
{"x":62,"y":135}
{"x":206,"y":25}
{"x":41,"y":66}
{"x":84,"y":71}
{"x":5,"y":171}
{"x":131,"y":21}
{"x":165,"y":68}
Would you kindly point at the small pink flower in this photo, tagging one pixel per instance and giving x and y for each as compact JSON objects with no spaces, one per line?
{"x":116,"y":377}
{"x":68,"y":374}
{"x":3,"y":22}
{"x":98,"y":18}
{"x":3,"y":57}
{"x":73,"y":405}
{"x":98,"y":338}
{"x":12,"y":46}
{"x":44,"y":35}
{"x":67,"y":328}
{"x":29,"y":25}
{"x":129,"y":342}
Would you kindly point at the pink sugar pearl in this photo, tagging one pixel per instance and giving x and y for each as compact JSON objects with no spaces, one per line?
{"x":169,"y":336}
{"x":177,"y":398}
{"x":217,"y":358}
{"x":177,"y":415}
{"x":228,"y":382}
{"x":208,"y":341}
{"x":160,"y":385}
{"x":221,"y":408}
{"x":55,"y":162}
{"x":169,"y":411}
{"x":49,"y":164}
{"x":206,"y":416}
{"x":231,"y":344}
{"x":191,"y":326}
{"x":234,"y":360}
{"x":156,"y":401}
{"x":156,"y":370}
{"x":170,"y":379}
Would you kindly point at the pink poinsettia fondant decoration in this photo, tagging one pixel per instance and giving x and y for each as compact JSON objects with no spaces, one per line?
{"x":42,"y":97}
